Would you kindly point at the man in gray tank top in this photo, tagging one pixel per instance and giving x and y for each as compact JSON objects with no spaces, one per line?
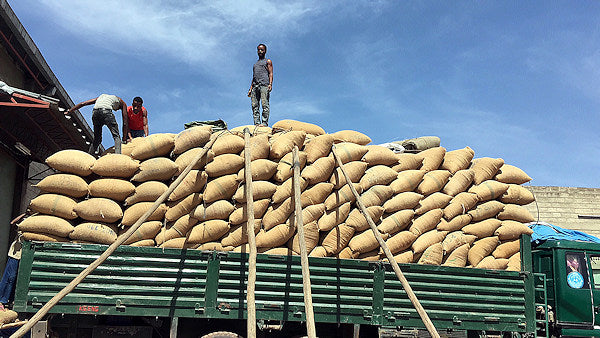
{"x":103,"y":115}
{"x":260,"y":88}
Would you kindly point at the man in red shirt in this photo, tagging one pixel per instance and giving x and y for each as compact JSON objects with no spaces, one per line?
{"x":138,"y":119}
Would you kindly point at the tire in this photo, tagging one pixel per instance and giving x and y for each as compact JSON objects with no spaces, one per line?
{"x":222,"y":334}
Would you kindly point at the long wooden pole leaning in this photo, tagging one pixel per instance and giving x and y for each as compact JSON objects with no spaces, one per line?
{"x":411,"y":295}
{"x":251,"y":285}
{"x":109,"y":251}
{"x":306,"y":286}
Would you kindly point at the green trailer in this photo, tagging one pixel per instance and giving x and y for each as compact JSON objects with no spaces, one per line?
{"x":190,"y":293}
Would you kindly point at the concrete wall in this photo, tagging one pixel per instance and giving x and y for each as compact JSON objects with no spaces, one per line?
{"x":8,"y":171}
{"x":9,"y":72}
{"x":564,"y":207}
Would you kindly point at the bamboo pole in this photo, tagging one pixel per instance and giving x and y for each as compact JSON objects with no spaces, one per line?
{"x":111,"y":249}
{"x":306,"y":286}
{"x":251,"y":285}
{"x":411,"y":295}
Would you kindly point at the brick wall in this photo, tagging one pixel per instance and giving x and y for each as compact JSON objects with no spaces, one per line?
{"x":564,"y":207}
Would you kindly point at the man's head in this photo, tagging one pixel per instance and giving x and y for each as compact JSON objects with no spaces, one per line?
{"x":261,"y":50}
{"x":137,"y":103}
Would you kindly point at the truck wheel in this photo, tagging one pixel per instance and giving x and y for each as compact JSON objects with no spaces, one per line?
{"x":222,"y":334}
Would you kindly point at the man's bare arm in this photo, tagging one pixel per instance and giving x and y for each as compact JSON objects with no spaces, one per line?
{"x":81,"y":104}
{"x":270,"y":69}
{"x":145,"y":118}
{"x":125,"y":119}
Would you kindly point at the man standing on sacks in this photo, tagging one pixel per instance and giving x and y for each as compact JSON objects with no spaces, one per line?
{"x":103,"y":115}
{"x":260,"y":88}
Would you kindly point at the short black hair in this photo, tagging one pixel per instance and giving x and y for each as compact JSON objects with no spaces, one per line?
{"x":138,"y":99}
{"x":262,"y":44}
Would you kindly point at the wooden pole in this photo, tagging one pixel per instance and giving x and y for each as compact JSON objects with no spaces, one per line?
{"x":109,"y":251}
{"x":411,"y":295}
{"x":251,"y":285}
{"x":308,"y":304}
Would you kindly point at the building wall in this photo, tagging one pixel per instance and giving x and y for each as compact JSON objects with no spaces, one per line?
{"x":564,"y":207}
{"x":8,"y":172}
{"x":9,"y":72}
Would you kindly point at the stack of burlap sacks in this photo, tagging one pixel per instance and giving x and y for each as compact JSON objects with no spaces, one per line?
{"x":434,"y":207}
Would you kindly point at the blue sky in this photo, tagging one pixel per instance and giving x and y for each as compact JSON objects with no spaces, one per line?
{"x":519,"y":80}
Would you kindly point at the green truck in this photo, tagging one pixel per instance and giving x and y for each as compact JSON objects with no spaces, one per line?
{"x":155,"y":292}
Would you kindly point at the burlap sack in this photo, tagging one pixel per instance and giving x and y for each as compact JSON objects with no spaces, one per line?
{"x":155,"y":169}
{"x":489,"y":190}
{"x":238,"y":235}
{"x":517,"y":194}
{"x":148,"y":230}
{"x":127,"y":148}
{"x":459,"y":182}
{"x":228,"y":144}
{"x":393,"y":223}
{"x":260,"y":190}
{"x":134,"y":212}
{"x":313,"y":213}
{"x":148,"y":191}
{"x":285,"y":166}
{"x":187,"y":157}
{"x":485,"y":228}
{"x":456,"y":223}
{"x":357,"y":220}
{"x":178,"y":243}
{"x":224,"y":164}
{"x":111,"y":188}
{"x":458,"y":257}
{"x":115,"y":165}
{"x":428,"y":239}
{"x":365,"y":241}
{"x":400,"y":241}
{"x":408,"y":162}
{"x":492,"y":263}
{"x":71,"y":161}
{"x":433,"y":255}
{"x":510,"y":230}
{"x":432,"y":158}
{"x":260,"y":147}
{"x":64,"y":184}
{"x":437,"y":200}
{"x":318,"y":147}
{"x":220,"y":188}
{"x":208,"y":231}
{"x":407,"y":180}
{"x":316,"y":194}
{"x":515,"y":212}
{"x":426,"y":222}
{"x":181,"y":207}
{"x":214,"y":246}
{"x":285,"y":143}
{"x":179,"y":228}
{"x":334,"y":217}
{"x":511,"y":174}
{"x":349,"y":152}
{"x":8,"y":316}
{"x":190,"y":138}
{"x":341,"y":196}
{"x":376,"y":195}
{"x":253,"y":129}
{"x":404,"y":257}
{"x":433,"y":181}
{"x":481,"y":248}
{"x":371,"y":256}
{"x":154,"y":145}
{"x":456,"y":239}
{"x":507,"y":249}
{"x":42,"y":237}
{"x":261,"y":169}
{"x":319,"y":171}
{"x":377,"y":175}
{"x":275,"y":237}
{"x":346,"y":253}
{"x":456,"y":160}
{"x":319,"y":251}
{"x":486,"y":210}
{"x":144,"y":243}
{"x":514,"y":262}
{"x":240,"y":214}
{"x":46,"y":224}
{"x":94,"y":232}
{"x":311,"y":238}
{"x":220,"y":209}
{"x":355,"y":171}
{"x":53,"y":204}
{"x":193,"y":182}
{"x":351,"y":136}
{"x":379,"y":155}
{"x":285,"y":190}
{"x":306,"y":127}
{"x":485,"y":168}
{"x":277,"y":214}
{"x":460,"y":204}
{"x":337,"y":238}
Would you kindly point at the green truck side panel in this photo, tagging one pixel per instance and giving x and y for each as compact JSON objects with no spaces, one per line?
{"x":205,"y":284}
